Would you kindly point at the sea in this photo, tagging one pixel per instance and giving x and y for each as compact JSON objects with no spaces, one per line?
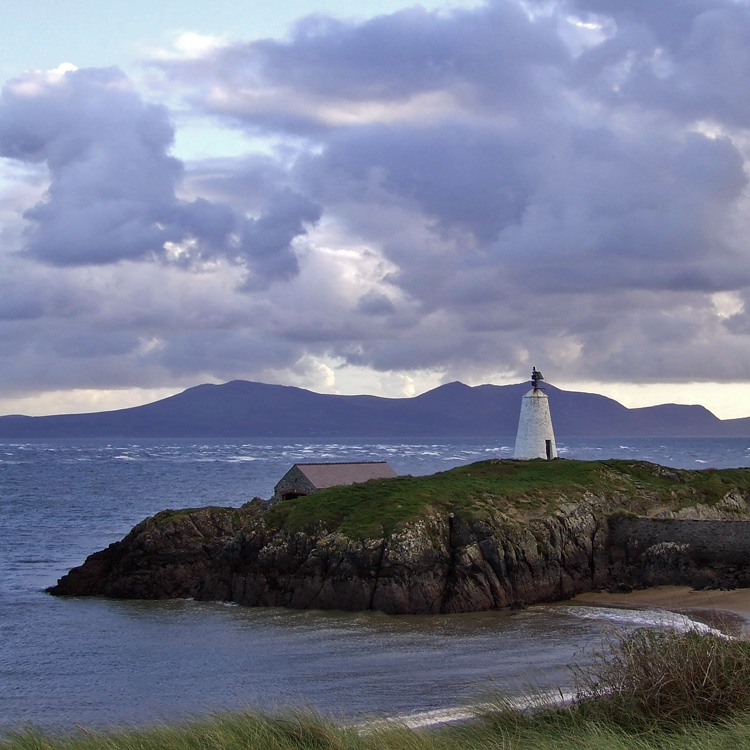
{"x":101,"y":663}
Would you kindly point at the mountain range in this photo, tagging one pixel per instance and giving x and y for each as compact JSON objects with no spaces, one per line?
{"x":247,"y":409}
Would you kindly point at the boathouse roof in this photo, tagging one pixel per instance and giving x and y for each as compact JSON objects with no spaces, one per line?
{"x":306,"y":478}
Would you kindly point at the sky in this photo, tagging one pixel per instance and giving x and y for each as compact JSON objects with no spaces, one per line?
{"x":374,"y":201}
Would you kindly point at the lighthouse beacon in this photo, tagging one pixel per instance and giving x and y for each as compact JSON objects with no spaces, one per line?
{"x":535,"y":438}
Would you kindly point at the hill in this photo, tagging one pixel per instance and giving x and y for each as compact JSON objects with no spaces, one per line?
{"x":243,"y":409}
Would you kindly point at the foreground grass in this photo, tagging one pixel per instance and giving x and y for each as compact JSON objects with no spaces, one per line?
{"x":558,"y":730}
{"x":520,"y":489}
{"x":647,"y":690}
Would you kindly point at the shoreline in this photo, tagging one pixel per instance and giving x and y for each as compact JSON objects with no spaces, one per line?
{"x":725,"y":609}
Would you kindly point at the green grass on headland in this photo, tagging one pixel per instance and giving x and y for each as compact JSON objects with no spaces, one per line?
{"x":520,"y":489}
{"x":693,"y":696}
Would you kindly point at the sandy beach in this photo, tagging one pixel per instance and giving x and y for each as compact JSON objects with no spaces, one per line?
{"x":730,"y":608}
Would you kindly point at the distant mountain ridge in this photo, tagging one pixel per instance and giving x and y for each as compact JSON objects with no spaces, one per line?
{"x":247,"y":409}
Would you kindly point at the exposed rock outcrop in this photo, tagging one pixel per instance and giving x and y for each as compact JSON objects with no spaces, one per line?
{"x":440,"y":562}
{"x":172,"y":555}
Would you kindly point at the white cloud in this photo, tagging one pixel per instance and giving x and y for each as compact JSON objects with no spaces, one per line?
{"x":186,"y":45}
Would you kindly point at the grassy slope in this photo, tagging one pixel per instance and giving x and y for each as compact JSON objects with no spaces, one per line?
{"x":519,"y":489}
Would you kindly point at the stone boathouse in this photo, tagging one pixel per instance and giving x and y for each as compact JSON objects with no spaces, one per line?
{"x":304,"y":479}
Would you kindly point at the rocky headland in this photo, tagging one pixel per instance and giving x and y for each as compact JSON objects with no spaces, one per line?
{"x":494,"y":534}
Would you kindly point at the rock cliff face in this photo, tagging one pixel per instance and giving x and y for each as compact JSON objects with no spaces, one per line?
{"x":437,"y":564}
{"x":172,"y":555}
{"x":441,"y":562}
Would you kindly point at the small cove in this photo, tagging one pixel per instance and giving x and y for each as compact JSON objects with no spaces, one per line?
{"x":101,"y":662}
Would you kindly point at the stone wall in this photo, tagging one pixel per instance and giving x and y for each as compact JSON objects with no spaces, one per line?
{"x":647,"y":552}
{"x":719,"y":541}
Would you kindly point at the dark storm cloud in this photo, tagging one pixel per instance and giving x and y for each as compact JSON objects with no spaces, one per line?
{"x":373,"y":303}
{"x":683,"y":59}
{"x":111,"y":179}
{"x":493,"y":58}
{"x":479,"y":186}
{"x":265,"y":237}
{"x":497,"y":49}
{"x":112,"y":190}
{"x":584,"y":150}
{"x":444,"y":169}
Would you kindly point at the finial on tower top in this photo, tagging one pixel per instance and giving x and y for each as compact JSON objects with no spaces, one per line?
{"x":537,"y":379}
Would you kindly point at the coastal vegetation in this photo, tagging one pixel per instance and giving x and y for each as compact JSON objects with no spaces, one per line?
{"x":521,"y":490}
{"x":646,"y":690}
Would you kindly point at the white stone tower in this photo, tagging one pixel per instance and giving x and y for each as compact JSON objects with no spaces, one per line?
{"x":535,"y":438}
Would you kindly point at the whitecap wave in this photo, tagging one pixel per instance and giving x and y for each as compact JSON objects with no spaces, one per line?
{"x":644,"y":618}
{"x":423,"y":719}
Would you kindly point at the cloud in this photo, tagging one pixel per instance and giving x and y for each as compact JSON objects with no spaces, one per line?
{"x":268,"y":239}
{"x":112,"y":188}
{"x":111,"y":180}
{"x":501,"y":159}
{"x":683,"y":60}
{"x":337,"y":74}
{"x":466,"y":192}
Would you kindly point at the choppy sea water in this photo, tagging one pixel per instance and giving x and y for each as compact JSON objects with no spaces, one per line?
{"x":100,"y":662}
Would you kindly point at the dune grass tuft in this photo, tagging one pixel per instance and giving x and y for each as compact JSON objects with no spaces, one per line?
{"x":670,"y":678}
